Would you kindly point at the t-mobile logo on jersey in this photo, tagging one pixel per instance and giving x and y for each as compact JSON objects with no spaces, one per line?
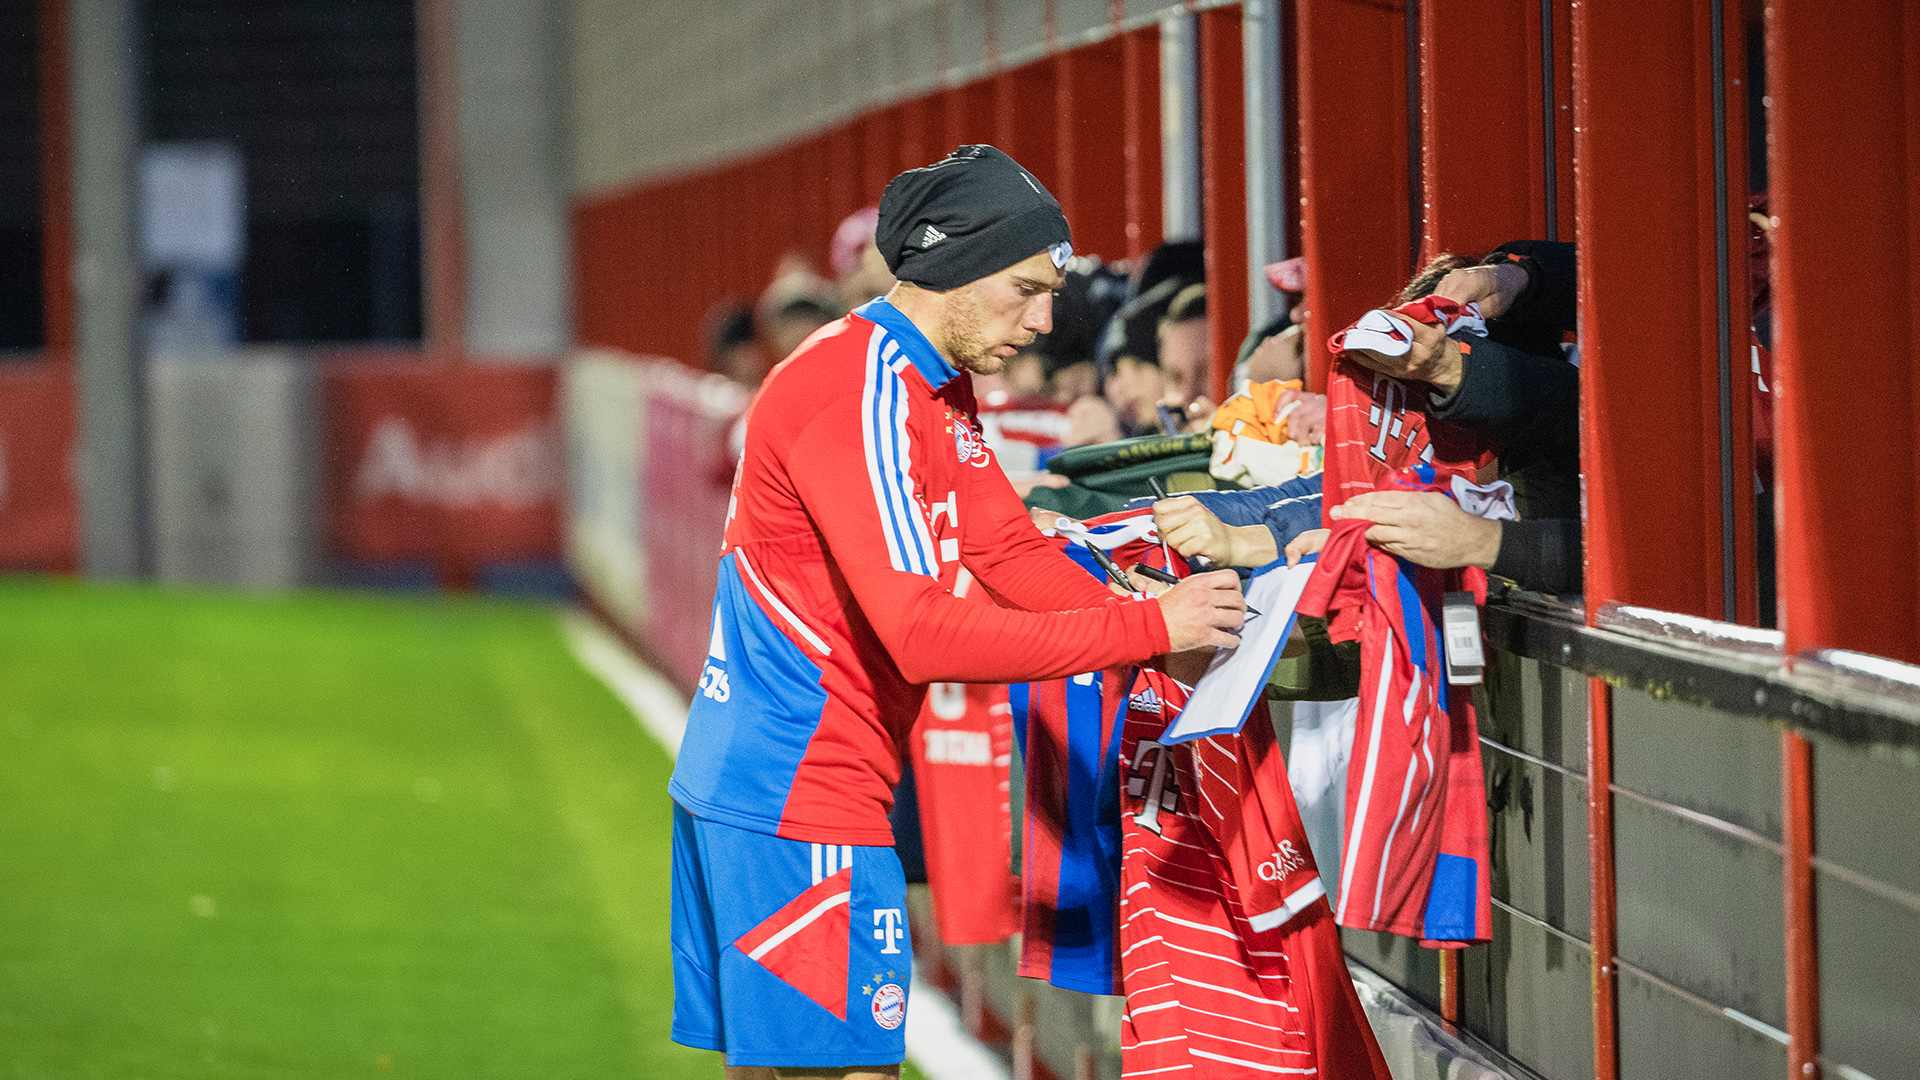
{"x":1156,"y":784}
{"x":887,"y":928}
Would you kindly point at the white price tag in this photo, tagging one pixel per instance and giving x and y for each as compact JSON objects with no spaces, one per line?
{"x":1465,"y":657}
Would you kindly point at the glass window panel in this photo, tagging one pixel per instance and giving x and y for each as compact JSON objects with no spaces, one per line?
{"x":1537,"y":708}
{"x":1539,"y":841}
{"x":1869,"y":980}
{"x":1864,"y":813}
{"x":1399,"y":960}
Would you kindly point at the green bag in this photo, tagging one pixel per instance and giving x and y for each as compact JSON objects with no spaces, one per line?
{"x":1081,"y":461}
{"x":1106,"y":476}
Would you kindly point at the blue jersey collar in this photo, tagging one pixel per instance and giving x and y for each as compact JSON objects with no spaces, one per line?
{"x":932,"y":366}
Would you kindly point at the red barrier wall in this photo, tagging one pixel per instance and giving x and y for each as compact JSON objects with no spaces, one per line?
{"x":1354,"y":224}
{"x":39,"y":506}
{"x":652,"y":260}
{"x":688,"y":478}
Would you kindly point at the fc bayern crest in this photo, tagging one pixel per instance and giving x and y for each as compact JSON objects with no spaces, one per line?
{"x":890,"y":1006}
{"x":967,"y":446}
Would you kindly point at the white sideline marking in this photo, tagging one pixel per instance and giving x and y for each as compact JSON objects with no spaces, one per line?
{"x":937,"y":1043}
{"x":654,"y":703}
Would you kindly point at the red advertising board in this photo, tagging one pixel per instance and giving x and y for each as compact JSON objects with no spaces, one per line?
{"x":39,"y":507}
{"x":455,"y":464}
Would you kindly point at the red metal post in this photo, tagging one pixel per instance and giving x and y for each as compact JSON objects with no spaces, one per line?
{"x":56,"y":184}
{"x":1557,"y":212}
{"x":1844,"y":133}
{"x":1480,"y":72}
{"x":1606,"y":1010}
{"x":1025,"y":113}
{"x":1664,"y":308}
{"x":1803,"y":959}
{"x":1355,"y":228}
{"x":1450,"y":985}
{"x":1140,"y":111}
{"x":1092,"y":148}
{"x":442,"y":212}
{"x":970,"y":114}
{"x":1223,"y":187}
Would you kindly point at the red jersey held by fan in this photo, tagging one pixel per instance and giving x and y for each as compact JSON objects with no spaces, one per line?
{"x":1377,"y":424}
{"x":1415,"y":859}
{"x":1231,"y":963}
{"x":863,"y":490}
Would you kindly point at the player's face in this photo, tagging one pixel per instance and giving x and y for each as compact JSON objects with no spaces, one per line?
{"x":987,"y":321}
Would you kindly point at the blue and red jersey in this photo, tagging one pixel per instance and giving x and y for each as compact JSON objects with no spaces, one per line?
{"x":863,"y":489}
{"x":1069,"y":733}
{"x":1416,"y":860}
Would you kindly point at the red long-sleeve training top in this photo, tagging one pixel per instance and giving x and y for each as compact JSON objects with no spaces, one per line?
{"x":863,"y":490}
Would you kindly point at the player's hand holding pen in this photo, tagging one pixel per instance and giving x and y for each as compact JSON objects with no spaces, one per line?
{"x":1205,"y":610}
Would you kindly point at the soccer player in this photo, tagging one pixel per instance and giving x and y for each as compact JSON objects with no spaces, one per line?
{"x":864,"y":489}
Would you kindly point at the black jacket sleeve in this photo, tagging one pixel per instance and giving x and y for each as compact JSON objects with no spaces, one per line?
{"x":1546,"y":310}
{"x":1530,"y":407}
{"x":1543,"y":555}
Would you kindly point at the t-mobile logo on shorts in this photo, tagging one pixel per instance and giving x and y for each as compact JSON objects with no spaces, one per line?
{"x":888,"y":928}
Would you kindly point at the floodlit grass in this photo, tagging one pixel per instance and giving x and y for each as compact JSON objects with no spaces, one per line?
{"x":322,"y":836}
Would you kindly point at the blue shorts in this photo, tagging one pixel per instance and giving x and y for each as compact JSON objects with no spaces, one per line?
{"x":787,"y":952}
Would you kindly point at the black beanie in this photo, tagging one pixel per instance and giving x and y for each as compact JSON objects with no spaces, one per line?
{"x":973,"y":214}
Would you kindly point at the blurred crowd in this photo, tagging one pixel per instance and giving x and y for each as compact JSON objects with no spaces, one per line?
{"x":1128,"y":354}
{"x":1113,"y":405}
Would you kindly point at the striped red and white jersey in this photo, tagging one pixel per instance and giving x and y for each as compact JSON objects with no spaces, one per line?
{"x":1415,"y":859}
{"x":1230,"y":960}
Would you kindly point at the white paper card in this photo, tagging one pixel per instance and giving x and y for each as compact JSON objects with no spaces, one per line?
{"x":1237,"y":678}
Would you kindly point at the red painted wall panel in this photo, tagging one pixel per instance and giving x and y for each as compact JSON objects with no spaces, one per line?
{"x":1354,"y":226}
{"x":650,"y":262}
{"x":970,"y":114}
{"x":1223,"y":183}
{"x":1480,"y":124}
{"x":1648,"y":310}
{"x":1026,"y":115}
{"x":1845,"y":187}
{"x":1140,"y":109}
{"x":1092,"y":155}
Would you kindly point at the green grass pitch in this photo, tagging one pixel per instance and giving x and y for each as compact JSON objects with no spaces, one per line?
{"x":322,"y":835}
